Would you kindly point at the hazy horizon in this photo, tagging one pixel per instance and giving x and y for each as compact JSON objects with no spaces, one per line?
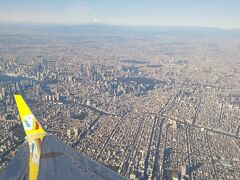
{"x":113,"y":25}
{"x":186,"y":13}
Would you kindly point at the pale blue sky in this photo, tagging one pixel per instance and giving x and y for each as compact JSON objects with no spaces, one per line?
{"x":206,"y":13}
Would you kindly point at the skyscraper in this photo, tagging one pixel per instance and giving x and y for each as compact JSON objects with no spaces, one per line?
{"x":3,"y":92}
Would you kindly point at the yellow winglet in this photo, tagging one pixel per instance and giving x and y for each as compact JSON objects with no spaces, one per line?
{"x":31,"y":126}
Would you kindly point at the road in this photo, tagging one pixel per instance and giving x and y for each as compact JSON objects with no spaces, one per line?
{"x":187,"y":122}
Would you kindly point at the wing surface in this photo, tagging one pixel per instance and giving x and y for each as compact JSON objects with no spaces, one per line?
{"x":54,"y":161}
{"x":43,"y":156}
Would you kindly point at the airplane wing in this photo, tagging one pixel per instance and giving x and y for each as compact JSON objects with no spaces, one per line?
{"x":44,"y":156}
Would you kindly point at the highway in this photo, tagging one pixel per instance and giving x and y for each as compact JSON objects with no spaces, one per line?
{"x":187,"y":122}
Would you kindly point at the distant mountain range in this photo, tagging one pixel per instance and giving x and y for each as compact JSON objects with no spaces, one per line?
{"x":105,"y":29}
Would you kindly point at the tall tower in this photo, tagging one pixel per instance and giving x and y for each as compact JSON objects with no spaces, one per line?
{"x":3,"y":92}
{"x":76,"y":132}
{"x":238,"y":132}
{"x":69,"y":133}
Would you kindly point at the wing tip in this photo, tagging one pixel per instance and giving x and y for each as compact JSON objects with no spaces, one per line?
{"x":33,"y":126}
{"x":17,"y":97}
